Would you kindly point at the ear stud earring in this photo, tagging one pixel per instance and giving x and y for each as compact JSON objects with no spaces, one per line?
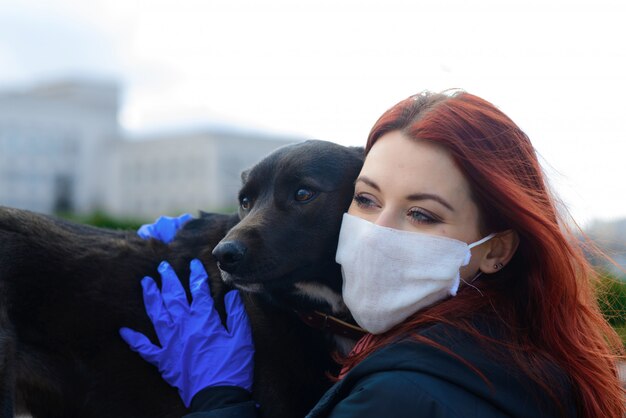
{"x":498,"y":266}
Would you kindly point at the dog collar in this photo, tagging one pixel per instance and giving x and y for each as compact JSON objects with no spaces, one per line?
{"x":329,"y":323}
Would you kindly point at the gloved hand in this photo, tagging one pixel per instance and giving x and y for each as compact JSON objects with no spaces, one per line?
{"x":164,"y":228}
{"x":196,"y":350}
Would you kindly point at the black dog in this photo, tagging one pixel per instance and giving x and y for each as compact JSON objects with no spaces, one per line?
{"x":66,"y":289}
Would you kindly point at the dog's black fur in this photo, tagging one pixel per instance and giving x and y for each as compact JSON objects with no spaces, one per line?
{"x":66,"y":289}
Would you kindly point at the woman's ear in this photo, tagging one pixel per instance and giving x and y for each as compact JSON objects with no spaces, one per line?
{"x":502,"y":249}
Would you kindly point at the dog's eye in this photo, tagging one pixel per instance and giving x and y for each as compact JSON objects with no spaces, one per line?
{"x":246,"y":203}
{"x":302,"y":195}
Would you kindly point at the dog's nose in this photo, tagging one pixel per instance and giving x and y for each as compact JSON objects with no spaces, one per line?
{"x":229,"y":254}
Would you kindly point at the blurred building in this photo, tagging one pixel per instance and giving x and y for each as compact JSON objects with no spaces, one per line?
{"x":185,"y":171}
{"x":610,"y":236}
{"x":61,"y":149}
{"x":53,"y":143}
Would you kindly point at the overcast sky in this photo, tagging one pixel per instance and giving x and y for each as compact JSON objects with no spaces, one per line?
{"x":327,"y":69}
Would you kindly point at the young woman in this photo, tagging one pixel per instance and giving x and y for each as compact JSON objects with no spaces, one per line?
{"x":477,"y":299}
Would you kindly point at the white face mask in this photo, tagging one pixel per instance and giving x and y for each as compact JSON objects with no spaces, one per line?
{"x":389,"y":274}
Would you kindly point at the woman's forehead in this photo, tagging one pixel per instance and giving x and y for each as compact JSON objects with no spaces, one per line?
{"x":405,"y":165}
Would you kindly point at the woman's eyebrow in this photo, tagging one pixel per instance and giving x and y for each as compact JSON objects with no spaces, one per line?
{"x":367,"y":181}
{"x":429,"y":196}
{"x":411,"y":197}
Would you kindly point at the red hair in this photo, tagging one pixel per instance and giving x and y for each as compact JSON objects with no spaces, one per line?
{"x":544,"y":296}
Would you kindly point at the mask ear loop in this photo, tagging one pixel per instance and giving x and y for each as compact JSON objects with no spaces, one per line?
{"x":482,"y":241}
{"x":470,"y":246}
{"x":472,"y":281}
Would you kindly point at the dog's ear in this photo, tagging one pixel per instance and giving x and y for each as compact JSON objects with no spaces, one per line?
{"x":244,"y":176}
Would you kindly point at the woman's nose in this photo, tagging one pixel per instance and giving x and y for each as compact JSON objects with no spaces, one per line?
{"x":388,"y":218}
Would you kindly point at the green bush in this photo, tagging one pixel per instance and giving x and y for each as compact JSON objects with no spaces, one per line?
{"x":621,"y":331}
{"x":611,"y":294}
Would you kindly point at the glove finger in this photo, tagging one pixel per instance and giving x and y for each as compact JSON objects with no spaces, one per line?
{"x":146,"y":231}
{"x":183,"y":219}
{"x":140,"y":344}
{"x":174,"y":297}
{"x":166,"y":228}
{"x":237,"y":319}
{"x":155,"y":308}
{"x":199,"y":285}
{"x":202,"y":303}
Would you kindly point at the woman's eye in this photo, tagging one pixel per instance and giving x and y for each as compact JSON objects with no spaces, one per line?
{"x":422,"y":217}
{"x":302,"y":195}
{"x":363,"y":201}
{"x":246,"y":203}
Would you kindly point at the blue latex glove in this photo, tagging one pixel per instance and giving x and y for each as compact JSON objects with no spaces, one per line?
{"x":164,"y":228}
{"x":196,"y":350}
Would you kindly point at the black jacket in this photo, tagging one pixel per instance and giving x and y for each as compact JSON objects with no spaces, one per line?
{"x":410,"y":379}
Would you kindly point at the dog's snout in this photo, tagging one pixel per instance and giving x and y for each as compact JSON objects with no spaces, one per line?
{"x":229,"y":254}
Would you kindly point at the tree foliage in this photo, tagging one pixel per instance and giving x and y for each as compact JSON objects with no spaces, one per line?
{"x":611,"y":295}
